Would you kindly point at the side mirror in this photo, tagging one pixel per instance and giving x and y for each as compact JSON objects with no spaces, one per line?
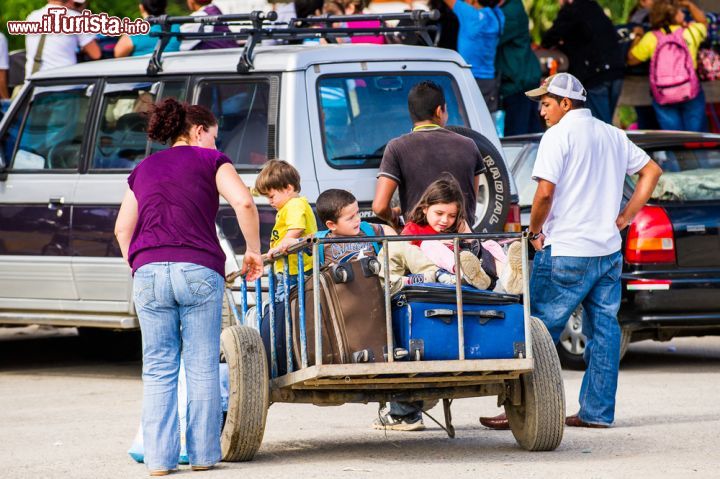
{"x":3,"y":168}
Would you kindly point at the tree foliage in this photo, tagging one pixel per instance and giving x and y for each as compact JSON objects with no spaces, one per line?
{"x":20,"y":9}
{"x":543,"y":12}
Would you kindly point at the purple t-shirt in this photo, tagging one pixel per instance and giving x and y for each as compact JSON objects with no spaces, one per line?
{"x":178,"y":201}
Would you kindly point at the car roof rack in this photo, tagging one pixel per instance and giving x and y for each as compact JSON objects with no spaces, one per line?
{"x":257,"y":26}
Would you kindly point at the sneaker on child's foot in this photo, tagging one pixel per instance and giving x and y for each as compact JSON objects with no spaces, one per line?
{"x":444,"y":276}
{"x":402,"y":423}
{"x":473,"y":273}
{"x":413,"y":279}
{"x":511,"y":277}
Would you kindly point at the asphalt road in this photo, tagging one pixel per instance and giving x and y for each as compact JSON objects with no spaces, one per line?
{"x":66,"y":415}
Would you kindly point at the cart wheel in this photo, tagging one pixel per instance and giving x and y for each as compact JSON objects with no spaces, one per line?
{"x":538,"y":422}
{"x":242,"y":434}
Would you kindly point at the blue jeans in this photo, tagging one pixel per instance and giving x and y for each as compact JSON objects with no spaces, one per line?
{"x":558,"y":285}
{"x":521,"y":115}
{"x":180,"y":310}
{"x":686,"y":116}
{"x":280,"y":285}
{"x":602,"y":99}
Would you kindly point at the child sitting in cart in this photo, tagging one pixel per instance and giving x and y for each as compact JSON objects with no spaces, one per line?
{"x":338,"y":210}
{"x":441,"y":211}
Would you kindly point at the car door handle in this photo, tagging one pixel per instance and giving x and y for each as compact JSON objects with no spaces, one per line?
{"x":55,"y":202}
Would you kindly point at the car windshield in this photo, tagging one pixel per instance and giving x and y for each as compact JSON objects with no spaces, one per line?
{"x":689,"y":174}
{"x":361,"y":113}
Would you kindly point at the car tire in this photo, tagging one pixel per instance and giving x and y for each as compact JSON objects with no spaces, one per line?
{"x":242,"y":349}
{"x":539,"y":421}
{"x":571,"y":347}
{"x":494,"y":197}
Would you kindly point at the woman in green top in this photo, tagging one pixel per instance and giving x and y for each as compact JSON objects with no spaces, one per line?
{"x":136,"y":45}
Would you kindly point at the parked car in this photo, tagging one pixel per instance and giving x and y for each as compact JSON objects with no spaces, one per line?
{"x":671,"y":271}
{"x":73,"y":135}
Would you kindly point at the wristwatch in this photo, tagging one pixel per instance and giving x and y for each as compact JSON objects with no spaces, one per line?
{"x":532,"y":236}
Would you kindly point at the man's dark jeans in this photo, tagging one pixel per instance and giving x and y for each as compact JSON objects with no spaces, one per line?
{"x":602,"y":99}
{"x":521,"y":115}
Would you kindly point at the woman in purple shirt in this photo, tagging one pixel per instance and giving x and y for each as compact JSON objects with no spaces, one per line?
{"x":166,"y":231}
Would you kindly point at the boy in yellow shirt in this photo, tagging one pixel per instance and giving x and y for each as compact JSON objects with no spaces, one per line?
{"x":279,"y":182}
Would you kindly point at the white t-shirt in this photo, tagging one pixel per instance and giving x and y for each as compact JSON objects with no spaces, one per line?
{"x":4,"y":58}
{"x":59,"y":50}
{"x":587,"y":160}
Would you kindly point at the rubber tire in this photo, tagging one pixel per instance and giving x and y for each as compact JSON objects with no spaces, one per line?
{"x":538,"y":423}
{"x":576,"y":362}
{"x":498,"y":181}
{"x":242,"y":434}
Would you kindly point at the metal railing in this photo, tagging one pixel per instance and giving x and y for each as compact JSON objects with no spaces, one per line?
{"x":256,"y":26}
{"x":314,"y":245}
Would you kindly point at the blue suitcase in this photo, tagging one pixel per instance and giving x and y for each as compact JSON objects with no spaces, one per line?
{"x":425,"y":323}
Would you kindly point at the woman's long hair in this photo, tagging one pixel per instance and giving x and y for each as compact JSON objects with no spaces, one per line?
{"x":445,"y":190}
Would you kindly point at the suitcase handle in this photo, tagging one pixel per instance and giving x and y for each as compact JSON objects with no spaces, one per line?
{"x":446,"y":315}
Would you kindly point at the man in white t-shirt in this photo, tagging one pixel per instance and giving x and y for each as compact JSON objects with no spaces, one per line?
{"x":575,"y":226}
{"x":4,"y":67}
{"x":57,"y":50}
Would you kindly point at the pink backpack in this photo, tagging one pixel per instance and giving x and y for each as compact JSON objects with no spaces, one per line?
{"x":672,"y":74}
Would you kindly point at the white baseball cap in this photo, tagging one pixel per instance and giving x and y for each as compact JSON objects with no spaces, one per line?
{"x":563,"y":85}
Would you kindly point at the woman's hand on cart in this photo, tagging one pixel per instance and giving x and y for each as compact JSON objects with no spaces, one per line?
{"x":252,"y":266}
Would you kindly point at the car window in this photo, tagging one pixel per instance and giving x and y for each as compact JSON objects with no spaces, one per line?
{"x":522,"y":172}
{"x":359,"y":114}
{"x":512,"y":151}
{"x":241,"y":108}
{"x":689,"y":174}
{"x":52,"y":132}
{"x":10,"y":137}
{"x":121,"y":140}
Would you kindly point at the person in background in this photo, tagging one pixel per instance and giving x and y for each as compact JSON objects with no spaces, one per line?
{"x":587,"y":36}
{"x":166,"y":232}
{"x":640,"y":14}
{"x":666,"y":17}
{"x":137,"y":45}
{"x":413,"y":161}
{"x":448,"y":24}
{"x":519,"y":71}
{"x":4,"y":68}
{"x":199,"y":8}
{"x":481,"y":24}
{"x":80,"y":5}
{"x":44,"y":52}
{"x":356,"y":7}
{"x":639,"y":20}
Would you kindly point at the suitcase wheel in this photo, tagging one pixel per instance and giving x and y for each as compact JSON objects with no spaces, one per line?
{"x":370,"y":266}
{"x":417,"y":349}
{"x":342,"y":273}
{"x":364,"y":356}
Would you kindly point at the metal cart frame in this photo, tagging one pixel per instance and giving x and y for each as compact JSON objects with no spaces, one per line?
{"x":393,"y":380}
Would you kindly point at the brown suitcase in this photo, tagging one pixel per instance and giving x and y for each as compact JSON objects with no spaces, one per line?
{"x":352,"y":308}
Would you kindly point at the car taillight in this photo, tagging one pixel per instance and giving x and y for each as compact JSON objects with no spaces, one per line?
{"x":512,"y":225}
{"x":650,"y":237}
